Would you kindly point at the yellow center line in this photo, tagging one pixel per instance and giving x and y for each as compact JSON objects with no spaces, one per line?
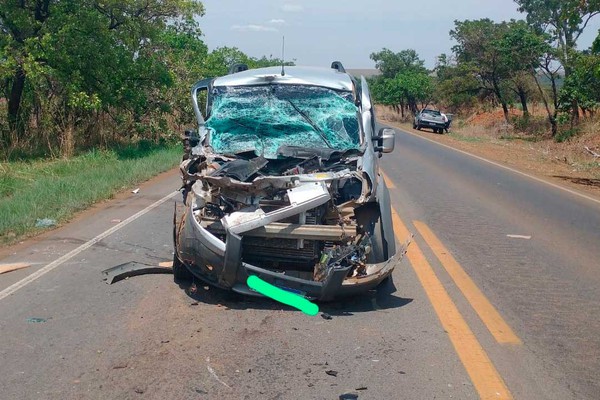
{"x":482,"y":306}
{"x":389,"y":183}
{"x":486,"y":379}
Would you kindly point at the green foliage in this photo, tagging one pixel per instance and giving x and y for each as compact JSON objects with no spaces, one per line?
{"x":583,"y":85}
{"x":391,"y":64}
{"x":65,"y":63}
{"x":219,"y":60}
{"x":95,"y":73}
{"x":564,"y":21}
{"x":479,"y":46}
{"x":217,"y":63}
{"x":458,"y":86}
{"x":596,"y":45}
{"x":404,"y":80}
{"x":521,"y":46}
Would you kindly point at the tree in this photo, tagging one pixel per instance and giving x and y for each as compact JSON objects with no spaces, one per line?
{"x":220,"y":59}
{"x":583,"y":85}
{"x":521,"y":48}
{"x":270,"y":61}
{"x":404,"y":81}
{"x":595,"y":49}
{"x":390,"y":63}
{"x":457,"y":85}
{"x":478,"y":45}
{"x":74,"y":58}
{"x":529,"y":52}
{"x":564,"y":21}
{"x":414,"y":87}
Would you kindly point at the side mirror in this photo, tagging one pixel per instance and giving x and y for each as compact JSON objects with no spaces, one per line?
{"x":386,"y":140}
{"x":192,"y":137}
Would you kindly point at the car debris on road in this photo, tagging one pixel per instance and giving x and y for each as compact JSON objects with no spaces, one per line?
{"x":132,"y":268}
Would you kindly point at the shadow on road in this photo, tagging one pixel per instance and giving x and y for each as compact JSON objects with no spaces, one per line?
{"x":580,"y":181}
{"x":375,"y":300}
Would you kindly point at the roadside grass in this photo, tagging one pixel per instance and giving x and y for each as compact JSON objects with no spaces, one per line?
{"x":466,"y":138}
{"x":56,"y":189}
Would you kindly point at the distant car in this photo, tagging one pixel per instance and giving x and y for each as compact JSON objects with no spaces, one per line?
{"x":281,"y":180}
{"x":431,"y":119}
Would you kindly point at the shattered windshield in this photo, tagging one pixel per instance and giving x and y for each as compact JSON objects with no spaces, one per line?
{"x":264,"y":118}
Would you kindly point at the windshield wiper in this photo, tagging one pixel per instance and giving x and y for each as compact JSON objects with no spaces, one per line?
{"x":311,"y":122}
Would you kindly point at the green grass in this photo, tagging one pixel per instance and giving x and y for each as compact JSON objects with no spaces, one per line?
{"x":56,"y":189}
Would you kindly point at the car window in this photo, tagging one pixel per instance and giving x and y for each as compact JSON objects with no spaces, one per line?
{"x":264,"y":118}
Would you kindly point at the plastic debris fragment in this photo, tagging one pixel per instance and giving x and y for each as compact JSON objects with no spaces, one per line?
{"x":45,"y":223}
{"x":36,"y":320}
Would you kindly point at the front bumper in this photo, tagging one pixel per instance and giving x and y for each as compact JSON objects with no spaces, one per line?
{"x":219,"y":263}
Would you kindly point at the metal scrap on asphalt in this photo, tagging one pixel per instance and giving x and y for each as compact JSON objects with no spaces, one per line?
{"x":526,"y":237}
{"x":130,"y":269}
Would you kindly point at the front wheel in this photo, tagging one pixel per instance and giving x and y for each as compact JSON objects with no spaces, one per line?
{"x":180,"y":271}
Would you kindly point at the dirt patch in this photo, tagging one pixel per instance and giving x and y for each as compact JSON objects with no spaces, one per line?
{"x":567,"y":164}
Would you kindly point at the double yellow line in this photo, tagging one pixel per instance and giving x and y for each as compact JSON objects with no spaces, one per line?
{"x":486,"y":379}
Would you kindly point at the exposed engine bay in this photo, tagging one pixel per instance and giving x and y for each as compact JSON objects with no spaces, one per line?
{"x":297,"y":214}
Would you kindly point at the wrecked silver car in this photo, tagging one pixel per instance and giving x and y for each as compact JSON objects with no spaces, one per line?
{"x":281,"y":180}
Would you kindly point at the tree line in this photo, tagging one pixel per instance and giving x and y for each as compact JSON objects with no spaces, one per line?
{"x":87,"y":73}
{"x":504,"y":63}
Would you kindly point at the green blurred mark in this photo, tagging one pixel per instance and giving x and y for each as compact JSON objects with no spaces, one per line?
{"x":282,"y":296}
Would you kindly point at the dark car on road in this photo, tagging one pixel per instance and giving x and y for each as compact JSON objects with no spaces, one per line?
{"x":281,"y":180}
{"x":431,"y":119}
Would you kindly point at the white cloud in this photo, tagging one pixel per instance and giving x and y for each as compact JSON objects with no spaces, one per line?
{"x":277,"y":21}
{"x":253,"y":28}
{"x":289,"y":7}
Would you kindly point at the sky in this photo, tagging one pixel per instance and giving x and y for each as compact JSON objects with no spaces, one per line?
{"x":318,"y":32}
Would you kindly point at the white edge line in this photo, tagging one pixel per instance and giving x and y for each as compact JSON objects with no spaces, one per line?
{"x":56,"y":263}
{"x":554,"y":185}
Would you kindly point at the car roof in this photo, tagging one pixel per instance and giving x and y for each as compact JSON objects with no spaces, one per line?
{"x":325,"y":77}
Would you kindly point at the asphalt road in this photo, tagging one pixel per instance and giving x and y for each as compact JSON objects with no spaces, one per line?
{"x":486,"y":315}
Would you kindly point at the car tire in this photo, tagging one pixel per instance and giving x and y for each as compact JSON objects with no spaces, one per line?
{"x":379,"y":251}
{"x":180,"y":271}
{"x":418,"y":127}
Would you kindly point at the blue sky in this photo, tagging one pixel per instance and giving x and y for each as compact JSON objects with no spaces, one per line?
{"x":320,"y":31}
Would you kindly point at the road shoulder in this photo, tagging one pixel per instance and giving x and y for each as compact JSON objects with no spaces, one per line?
{"x":528,"y":158}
